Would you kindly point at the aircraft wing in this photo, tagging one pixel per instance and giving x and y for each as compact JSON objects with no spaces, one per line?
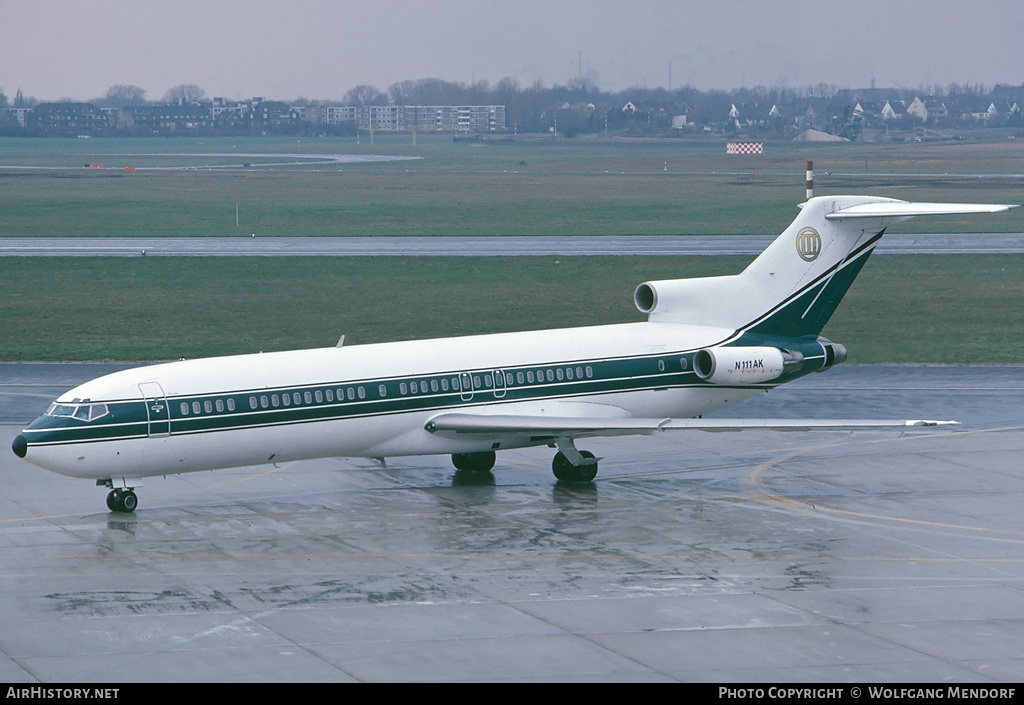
{"x":514,"y":425}
{"x":553,"y":426}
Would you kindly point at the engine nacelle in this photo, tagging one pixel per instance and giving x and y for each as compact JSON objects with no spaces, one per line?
{"x":834,"y":353}
{"x":698,"y":301}
{"x":744,"y":365}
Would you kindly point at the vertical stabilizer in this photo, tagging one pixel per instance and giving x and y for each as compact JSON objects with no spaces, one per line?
{"x":795,"y":285}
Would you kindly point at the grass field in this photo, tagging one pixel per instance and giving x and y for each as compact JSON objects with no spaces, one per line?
{"x":924,"y":309}
{"x":527,"y":187}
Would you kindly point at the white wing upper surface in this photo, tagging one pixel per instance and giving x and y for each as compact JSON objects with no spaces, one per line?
{"x":517,"y":426}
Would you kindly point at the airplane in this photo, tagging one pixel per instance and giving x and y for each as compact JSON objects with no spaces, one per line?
{"x":707,"y":342}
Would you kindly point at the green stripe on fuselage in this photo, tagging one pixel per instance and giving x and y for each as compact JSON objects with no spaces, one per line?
{"x":130,"y":419}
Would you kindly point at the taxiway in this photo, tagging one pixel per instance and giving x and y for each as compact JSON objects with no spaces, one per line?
{"x":757,"y":556}
{"x":522,"y":246}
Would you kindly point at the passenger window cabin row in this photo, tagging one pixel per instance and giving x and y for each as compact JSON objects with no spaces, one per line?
{"x":480,"y":381}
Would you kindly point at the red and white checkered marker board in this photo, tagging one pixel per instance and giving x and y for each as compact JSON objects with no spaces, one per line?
{"x":744,"y":147}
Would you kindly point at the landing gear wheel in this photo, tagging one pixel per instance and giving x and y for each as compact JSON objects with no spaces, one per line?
{"x":567,"y":472}
{"x":129,"y":501}
{"x":124,"y":501}
{"x":474,"y":462}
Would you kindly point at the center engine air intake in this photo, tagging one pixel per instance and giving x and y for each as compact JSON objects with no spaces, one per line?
{"x":744,"y":365}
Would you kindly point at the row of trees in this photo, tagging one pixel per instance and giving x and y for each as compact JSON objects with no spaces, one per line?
{"x":119,"y":96}
{"x":435,"y":91}
{"x":579,"y":106}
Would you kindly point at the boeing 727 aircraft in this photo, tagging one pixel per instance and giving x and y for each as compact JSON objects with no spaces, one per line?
{"x":708,"y":342}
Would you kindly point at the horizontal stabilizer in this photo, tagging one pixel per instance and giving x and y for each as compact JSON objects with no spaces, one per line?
{"x":903,"y":209}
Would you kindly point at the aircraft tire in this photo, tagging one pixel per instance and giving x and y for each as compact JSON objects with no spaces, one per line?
{"x":567,"y":472}
{"x":586,"y":473}
{"x":474,"y":462}
{"x":129,"y":501}
{"x":123,"y":501}
{"x":562,"y":468}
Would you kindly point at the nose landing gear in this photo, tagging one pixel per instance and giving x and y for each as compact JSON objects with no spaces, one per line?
{"x":123,"y":500}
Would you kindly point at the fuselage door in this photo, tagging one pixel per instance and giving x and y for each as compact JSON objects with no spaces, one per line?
{"x":499,"y":384}
{"x":466,"y":386}
{"x":158,"y":411}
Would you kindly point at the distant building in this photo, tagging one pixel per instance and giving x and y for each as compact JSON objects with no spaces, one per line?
{"x":925,"y":109}
{"x":865,"y":111}
{"x":328,"y":114}
{"x":228,"y":111}
{"x":169,"y":118}
{"x":425,"y":118}
{"x":67,"y":119}
{"x":254,"y":115}
{"x":17,"y":116}
{"x":893,"y":110}
{"x":272,"y":113}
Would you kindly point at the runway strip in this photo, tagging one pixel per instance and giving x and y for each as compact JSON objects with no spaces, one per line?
{"x":249,"y":246}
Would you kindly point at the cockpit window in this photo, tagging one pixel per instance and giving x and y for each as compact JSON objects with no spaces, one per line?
{"x":82,"y":412}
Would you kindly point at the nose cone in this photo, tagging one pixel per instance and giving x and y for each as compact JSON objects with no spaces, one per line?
{"x":20,"y":446}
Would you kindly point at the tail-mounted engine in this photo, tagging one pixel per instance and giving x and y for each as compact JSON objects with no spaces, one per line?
{"x":834,"y":353}
{"x":745,"y":365}
{"x":754,"y":364}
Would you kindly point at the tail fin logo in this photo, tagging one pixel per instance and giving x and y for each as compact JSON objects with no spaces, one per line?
{"x":808,"y":244}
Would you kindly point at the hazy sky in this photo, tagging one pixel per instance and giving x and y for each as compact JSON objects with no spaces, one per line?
{"x":52,"y":49}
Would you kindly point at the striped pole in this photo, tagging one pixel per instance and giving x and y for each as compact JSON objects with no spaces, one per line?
{"x":810,"y":180}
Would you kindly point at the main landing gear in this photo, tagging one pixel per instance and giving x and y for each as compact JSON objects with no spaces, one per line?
{"x":565,"y":471}
{"x":123,"y":500}
{"x":569,"y":465}
{"x":473,"y":462}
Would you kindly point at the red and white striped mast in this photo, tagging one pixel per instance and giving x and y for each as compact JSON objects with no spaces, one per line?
{"x":810,"y":180}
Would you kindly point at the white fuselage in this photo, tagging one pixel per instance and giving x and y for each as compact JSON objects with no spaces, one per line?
{"x":367,"y":406}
